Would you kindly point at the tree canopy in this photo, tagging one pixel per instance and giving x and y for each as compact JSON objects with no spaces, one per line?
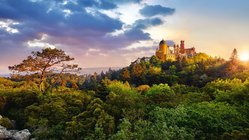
{"x":44,"y":62}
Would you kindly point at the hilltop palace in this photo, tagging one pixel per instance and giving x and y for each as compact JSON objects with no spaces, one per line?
{"x":170,"y":53}
{"x":165,"y":52}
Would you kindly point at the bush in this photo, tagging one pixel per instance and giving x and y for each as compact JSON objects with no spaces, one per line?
{"x":6,"y":122}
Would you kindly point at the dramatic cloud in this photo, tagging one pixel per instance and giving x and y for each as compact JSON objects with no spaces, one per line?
{"x":136,"y":32}
{"x":153,"y":10}
{"x":53,"y":21}
{"x":83,"y":28}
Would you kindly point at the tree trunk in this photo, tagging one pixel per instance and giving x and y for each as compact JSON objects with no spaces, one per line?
{"x":42,"y":81}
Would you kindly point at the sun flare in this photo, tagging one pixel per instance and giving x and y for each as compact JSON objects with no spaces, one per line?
{"x":244,"y":56}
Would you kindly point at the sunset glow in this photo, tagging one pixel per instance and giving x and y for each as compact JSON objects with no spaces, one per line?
{"x":244,"y":56}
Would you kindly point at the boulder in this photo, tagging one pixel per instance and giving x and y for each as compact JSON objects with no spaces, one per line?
{"x":22,"y":135}
{"x":4,"y":133}
{"x":14,"y":134}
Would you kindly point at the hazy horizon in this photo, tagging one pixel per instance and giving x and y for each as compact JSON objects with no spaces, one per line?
{"x":87,"y":71}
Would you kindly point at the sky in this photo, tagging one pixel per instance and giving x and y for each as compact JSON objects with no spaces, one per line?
{"x":113,"y":33}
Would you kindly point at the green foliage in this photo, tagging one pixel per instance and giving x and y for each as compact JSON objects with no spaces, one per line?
{"x":217,"y":111}
{"x":161,"y":95}
{"x":155,"y":61}
{"x":6,"y":122}
{"x":231,"y":91}
{"x":236,"y":135}
{"x":125,"y":105}
{"x":224,"y":85}
{"x":191,"y":98}
{"x":124,"y":132}
{"x":6,"y":84}
{"x":118,"y":87}
{"x":150,"y":130}
{"x":159,"y":89}
{"x":205,"y":119}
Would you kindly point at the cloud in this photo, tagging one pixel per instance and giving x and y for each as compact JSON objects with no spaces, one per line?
{"x":40,"y":42}
{"x":153,"y":10}
{"x":136,"y":32}
{"x":26,"y":11}
{"x":7,"y":26}
{"x":78,"y":21}
{"x":146,"y":23}
{"x":104,"y":4}
{"x":141,"y":45}
{"x":125,"y":1}
{"x":77,"y":26}
{"x":52,"y":20}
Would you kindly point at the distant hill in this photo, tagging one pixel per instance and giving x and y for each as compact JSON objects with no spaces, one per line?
{"x":98,"y":70}
{"x":4,"y":75}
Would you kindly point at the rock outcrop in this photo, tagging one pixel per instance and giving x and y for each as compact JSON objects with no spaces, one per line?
{"x":14,"y":134}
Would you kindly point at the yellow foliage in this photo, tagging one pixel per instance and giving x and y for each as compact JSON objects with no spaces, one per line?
{"x":143,"y":88}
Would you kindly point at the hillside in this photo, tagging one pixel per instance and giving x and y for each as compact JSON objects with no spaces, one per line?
{"x":195,"y":98}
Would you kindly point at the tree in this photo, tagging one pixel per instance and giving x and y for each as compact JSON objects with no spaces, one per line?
{"x":125,"y":74}
{"x":172,"y":70}
{"x":155,"y":61}
{"x":44,"y":62}
{"x":233,"y":66}
{"x":234,"y":55}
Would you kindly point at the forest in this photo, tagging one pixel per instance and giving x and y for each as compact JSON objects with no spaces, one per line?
{"x":201,"y":98}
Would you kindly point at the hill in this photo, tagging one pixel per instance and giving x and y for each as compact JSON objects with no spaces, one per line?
{"x":98,"y":70}
{"x":195,"y":98}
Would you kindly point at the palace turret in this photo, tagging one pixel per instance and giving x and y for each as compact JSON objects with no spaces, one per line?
{"x":165,"y":52}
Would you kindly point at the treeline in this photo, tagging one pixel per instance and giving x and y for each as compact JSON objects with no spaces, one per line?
{"x":196,"y":71}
